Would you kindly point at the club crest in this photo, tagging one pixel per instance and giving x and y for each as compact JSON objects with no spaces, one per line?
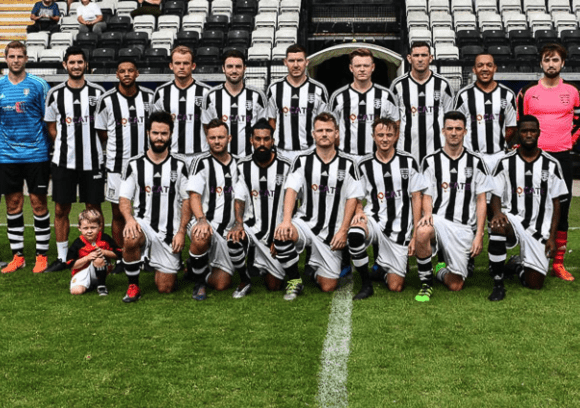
{"x":503,"y":103}
{"x":404,"y":174}
{"x":311,"y":98}
{"x":199,"y":100}
{"x":437,"y":96}
{"x":378,"y":104}
{"x":173,"y":176}
{"x":249,"y":105}
{"x":545,"y":175}
{"x":279,"y":179}
{"x":469,"y":172}
{"x":341,"y":175}
{"x":93,"y":100}
{"x":26,"y":91}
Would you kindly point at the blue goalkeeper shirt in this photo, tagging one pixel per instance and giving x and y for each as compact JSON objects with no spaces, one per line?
{"x":23,"y":134}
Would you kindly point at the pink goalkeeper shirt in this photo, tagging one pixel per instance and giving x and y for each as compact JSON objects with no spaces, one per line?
{"x":557,"y":109}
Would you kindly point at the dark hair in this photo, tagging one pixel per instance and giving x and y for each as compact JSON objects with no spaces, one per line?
{"x":455,"y":115}
{"x":386,"y":122}
{"x":124,"y":60}
{"x":295,"y":48}
{"x":15,"y":45}
{"x":550,"y":49}
{"x":233,"y":54}
{"x":161,"y":117}
{"x":419,"y":44}
{"x":528,"y":118}
{"x":326,"y":117}
{"x":74,"y":50}
{"x":216,"y":123}
{"x":481,"y":54}
{"x":360,"y":52}
{"x":262,"y":123}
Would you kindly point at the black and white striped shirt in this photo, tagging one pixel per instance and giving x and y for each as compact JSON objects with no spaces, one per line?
{"x":77,"y":146}
{"x":454,"y":184}
{"x":324,"y":188}
{"x":262,"y":189}
{"x":125,"y":120}
{"x":488,"y":115}
{"x":185,"y":105}
{"x":527,"y":190}
{"x":356,"y":112}
{"x":239,"y":112}
{"x":214,"y":182}
{"x":422,"y":107}
{"x":388,"y":189}
{"x":157,"y":192}
{"x":294,"y":109}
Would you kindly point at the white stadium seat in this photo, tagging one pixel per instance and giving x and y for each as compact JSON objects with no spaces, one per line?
{"x":458,"y":6}
{"x":52,"y":55}
{"x":289,"y":6}
{"x":193,"y":22}
{"x":124,"y":8}
{"x":263,"y":35}
{"x":464,"y":21}
{"x":419,"y":34}
{"x":417,"y":19}
{"x":489,"y":21}
{"x":169,"y":22}
{"x":163,"y":39}
{"x":510,"y":5}
{"x":416,"y":5}
{"x":441,"y":19}
{"x":534,"y":6}
{"x":61,"y":39}
{"x":266,"y":20}
{"x":288,"y":20}
{"x":259,"y":52}
{"x":198,"y":6}
{"x":439,"y":5}
{"x":69,"y":23}
{"x":268,"y":6}
{"x":443,"y":36}
{"x":39,"y":39}
{"x":559,"y":5}
{"x":484,"y":6}
{"x":539,"y":21}
{"x":513,"y":20}
{"x":447,"y":52}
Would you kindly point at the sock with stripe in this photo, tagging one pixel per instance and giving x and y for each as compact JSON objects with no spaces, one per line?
{"x":42,"y":233}
{"x":199,"y":266}
{"x":497,"y":254}
{"x":358,"y":252}
{"x":238,"y":257}
{"x":288,"y":258}
{"x":425,"y":268}
{"x":16,"y":232}
{"x":132,"y":270}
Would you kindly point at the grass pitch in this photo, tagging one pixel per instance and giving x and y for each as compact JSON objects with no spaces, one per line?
{"x":458,"y":350}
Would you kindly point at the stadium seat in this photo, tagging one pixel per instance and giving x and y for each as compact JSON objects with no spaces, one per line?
{"x":69,"y":23}
{"x":33,"y":53}
{"x":238,"y":37}
{"x":564,"y":21}
{"x":137,"y":39}
{"x":419,"y":34}
{"x":441,"y":19}
{"x":163,"y":39}
{"x":120,"y":23}
{"x":145,"y":23}
{"x":289,"y":6}
{"x":559,"y":5}
{"x":150,"y":71}
{"x":534,"y":5}
{"x":269,"y":6}
{"x":217,"y":22}
{"x":575,"y":5}
{"x":224,"y":7}
{"x":208,"y":56}
{"x":207,"y":69}
{"x":513,"y":20}
{"x":418,"y":19}
{"x":520,"y":37}
{"x":526,"y":52}
{"x":88,"y":40}
{"x":509,"y":6}
{"x":574,"y":53}
{"x":246,"y":7}
{"x":124,"y":8}
{"x":286,"y":36}
{"x":443,"y":36}
{"x":103,"y":55}
{"x":489,"y":21}
{"x":570,"y":37}
{"x":468,"y":37}
{"x":458,"y":6}
{"x":447,"y":52}
{"x":539,"y":21}
{"x":198,"y":6}
{"x":259,"y":52}
{"x":188,"y":38}
{"x":439,"y":5}
{"x":39,"y":39}
{"x":112,"y":39}
{"x":212,"y":38}
{"x":416,"y":5}
{"x":73,"y":9}
{"x":52,"y":55}
{"x":486,"y":6}
{"x":134,"y":53}
{"x":169,"y":22}
{"x":242,"y":22}
{"x":289,"y":20}
{"x":266,"y":20}
{"x":174,"y":7}
{"x":64,"y":39}
{"x":469,"y":52}
{"x":464,"y":21}
{"x":108,"y":4}
{"x":279,"y":52}
{"x":543,"y":37}
{"x":194,"y":22}
{"x":243,"y":50}
{"x":501,"y":53}
{"x":156,"y":55}
{"x":263,"y":36}
{"x":494,"y":37}
{"x":62,"y":8}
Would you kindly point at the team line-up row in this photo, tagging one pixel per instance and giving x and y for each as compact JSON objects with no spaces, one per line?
{"x":232,"y":185}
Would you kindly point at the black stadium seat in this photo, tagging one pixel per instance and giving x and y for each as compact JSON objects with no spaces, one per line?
{"x":137,"y":39}
{"x":238,"y":37}
{"x":501,"y":53}
{"x":494,"y":37}
{"x":543,"y":37}
{"x":467,"y":37}
{"x":134,"y":53}
{"x":520,"y":37}
{"x":156,"y":55}
{"x":469,"y":52}
{"x":120,"y":23}
{"x":526,"y":52}
{"x":574,"y":53}
{"x":174,"y":7}
{"x":242,"y":22}
{"x":149,"y":70}
{"x":112,"y":39}
{"x":570,"y":37}
{"x":212,"y":38}
{"x":208,"y":56}
{"x":103,"y":55}
{"x":216,"y":22}
{"x":188,"y":38}
{"x":246,"y":7}
{"x":88,"y":40}
{"x":243,"y":50}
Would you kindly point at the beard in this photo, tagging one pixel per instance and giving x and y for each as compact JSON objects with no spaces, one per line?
{"x":551,"y":75}
{"x":262,"y":155}
{"x":160,"y":149}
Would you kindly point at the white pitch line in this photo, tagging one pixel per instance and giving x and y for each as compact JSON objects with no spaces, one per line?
{"x":332,"y":379}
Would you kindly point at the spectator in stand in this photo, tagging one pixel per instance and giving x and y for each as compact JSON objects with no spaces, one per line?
{"x":90,"y":17}
{"x":45,"y":15}
{"x":152,"y":7}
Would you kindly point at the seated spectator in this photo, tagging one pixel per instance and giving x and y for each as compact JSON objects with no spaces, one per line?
{"x":90,"y":17}
{"x":152,"y":7}
{"x":45,"y":15}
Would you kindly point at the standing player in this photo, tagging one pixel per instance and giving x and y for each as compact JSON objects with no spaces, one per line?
{"x":293,"y":103}
{"x":529,"y":185}
{"x":211,"y":191}
{"x":423,"y":98}
{"x":183,"y":98}
{"x":454,"y":207}
{"x":259,"y":195}
{"x":24,"y":146}
{"x":393,"y":187}
{"x":556,"y":104}
{"x":122,"y":115}
{"x":330,"y":188}
{"x":155,"y":181}
{"x":78,"y":154}
{"x":236,"y":104}
{"x":357,"y":105}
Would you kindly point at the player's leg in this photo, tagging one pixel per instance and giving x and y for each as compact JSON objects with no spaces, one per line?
{"x":132,"y":253}
{"x":532,"y":279}
{"x":37,"y":178}
{"x":238,"y":252}
{"x":80,"y":282}
{"x":357,"y":245}
{"x":497,"y":253}
{"x":219,"y":279}
{"x":424,"y":238}
{"x":327,"y":284}
{"x":100,"y":271}
{"x":198,"y":262}
{"x":165,"y":282}
{"x":15,"y":221}
{"x":272,"y":282}
{"x":395,"y":282}
{"x":558,"y":268}
{"x":288,"y":257}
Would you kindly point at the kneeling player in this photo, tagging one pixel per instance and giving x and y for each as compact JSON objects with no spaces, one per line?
{"x":330,"y":188}
{"x":530,"y":185}
{"x":259,"y":188}
{"x":211,"y":190}
{"x":156,"y":182}
{"x":90,"y":254}
{"x":393,"y":187}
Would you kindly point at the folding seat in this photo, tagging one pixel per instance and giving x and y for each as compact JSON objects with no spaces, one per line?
{"x":520,"y":37}
{"x":441,"y":19}
{"x":570,"y":37}
{"x":222,"y":7}
{"x":501,"y":53}
{"x":207,"y":69}
{"x":464,"y":21}
{"x":419,"y":34}
{"x":246,"y":7}
{"x":539,"y":21}
{"x":458,"y":6}
{"x":494,"y":37}
{"x":52,"y":55}
{"x":468,"y":37}
{"x":259,"y":52}
{"x":163,"y":39}
{"x":194,"y":22}
{"x":120,"y":23}
{"x":208,"y":56}
{"x":526,"y":52}
{"x":242,"y":22}
{"x":559,"y":5}
{"x":145,"y":23}
{"x":439,"y":5}
{"x":443,"y":36}
{"x":534,"y":5}
{"x":73,"y":9}
{"x":416,"y":5}
{"x":485,"y":6}
{"x":447,"y":52}
{"x":124,"y":8}
{"x":417,"y":19}
{"x":289,"y":6}
{"x":288,"y":20}
{"x":217,"y":22}
{"x":134,"y":53}
{"x":575,"y":5}
{"x":574,"y":53}
{"x":169,"y":22}
{"x":268,"y":6}
{"x":198,"y":6}
{"x":286,"y":36}
{"x":137,"y":39}
{"x":39,"y":39}
{"x":112,"y":39}
{"x":108,"y":4}
{"x":510,"y":5}
{"x":212,"y":38}
{"x":279,"y":52}
{"x":263,"y":36}
{"x":489,"y":21}
{"x":543,"y":37}
{"x":174,"y":7}
{"x":266,"y":20}
{"x":238,"y":37}
{"x":188,"y":38}
{"x":156,"y":55}
{"x":62,"y":8}
{"x":564,"y":21}
{"x":64,"y":39}
{"x":33,"y":53}
{"x":103,"y":55}
{"x":513,"y":20}
{"x":69,"y":23}
{"x":242,"y":49}
{"x":469,"y":52}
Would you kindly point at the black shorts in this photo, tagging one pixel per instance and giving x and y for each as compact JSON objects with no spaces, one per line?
{"x":65,"y":181}
{"x":13,"y":175}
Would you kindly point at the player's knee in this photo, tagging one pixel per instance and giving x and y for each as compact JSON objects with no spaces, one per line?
{"x":424,"y":233}
{"x":273,"y":284}
{"x":164,"y":287}
{"x":328,"y":285}
{"x":199,"y":245}
{"x":61,"y":211}
{"x":77,"y":290}
{"x":455,"y":286}
{"x":130,"y":243}
{"x":395,"y":286}
{"x":221,"y":284}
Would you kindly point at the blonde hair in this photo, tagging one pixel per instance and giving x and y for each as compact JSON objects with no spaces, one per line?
{"x":92,"y":216}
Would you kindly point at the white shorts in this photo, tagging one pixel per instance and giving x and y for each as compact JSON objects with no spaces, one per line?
{"x":326,"y":261}
{"x":160,"y":254}
{"x":113,"y":187}
{"x":392,"y":256}
{"x":219,"y":254}
{"x":455,"y":240}
{"x":532,"y":251}
{"x":263,"y":259}
{"x":86,"y":278}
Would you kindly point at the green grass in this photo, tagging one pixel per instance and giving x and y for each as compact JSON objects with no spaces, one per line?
{"x":459,"y":350}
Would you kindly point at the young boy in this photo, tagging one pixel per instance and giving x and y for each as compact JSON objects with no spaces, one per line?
{"x":89,"y":254}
